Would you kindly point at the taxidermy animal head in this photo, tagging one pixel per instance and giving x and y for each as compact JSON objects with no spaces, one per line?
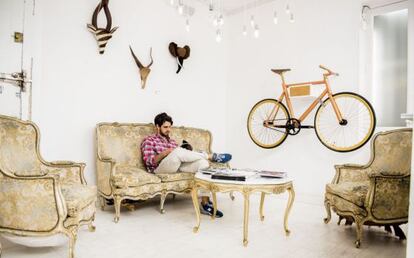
{"x":102,"y":35}
{"x":143,"y":70}
{"x":180,"y":53}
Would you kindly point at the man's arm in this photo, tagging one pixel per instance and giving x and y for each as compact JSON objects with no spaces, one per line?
{"x":148,"y":153}
{"x":162,"y":155}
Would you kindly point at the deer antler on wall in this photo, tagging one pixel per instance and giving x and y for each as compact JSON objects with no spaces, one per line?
{"x":102,"y":35}
{"x":143,"y":70}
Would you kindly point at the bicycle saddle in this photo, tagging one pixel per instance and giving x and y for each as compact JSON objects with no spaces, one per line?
{"x":280,"y":71}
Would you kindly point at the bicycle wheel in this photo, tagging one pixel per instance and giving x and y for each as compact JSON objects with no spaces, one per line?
{"x":267,"y":132}
{"x":357,"y":127}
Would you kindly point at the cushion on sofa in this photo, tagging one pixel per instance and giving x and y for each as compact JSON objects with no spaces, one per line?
{"x":354,"y":192}
{"x":129,"y":176}
{"x":171,"y":177}
{"x":77,"y":197}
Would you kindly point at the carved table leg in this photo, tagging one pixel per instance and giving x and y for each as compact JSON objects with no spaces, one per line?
{"x":262,"y":198}
{"x":246,"y":217}
{"x":288,"y":208}
{"x":214,"y":204}
{"x":196,"y":207}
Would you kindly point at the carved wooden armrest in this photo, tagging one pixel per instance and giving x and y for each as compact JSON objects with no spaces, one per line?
{"x":69,"y":171}
{"x":350,"y":173}
{"x":32,"y":181}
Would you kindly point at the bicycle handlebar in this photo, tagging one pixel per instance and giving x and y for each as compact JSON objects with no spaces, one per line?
{"x":329,"y":71}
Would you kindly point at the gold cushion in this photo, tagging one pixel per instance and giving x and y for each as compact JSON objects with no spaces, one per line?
{"x":171,"y":177}
{"x":78,"y":197}
{"x":354,"y":192}
{"x":129,"y":176}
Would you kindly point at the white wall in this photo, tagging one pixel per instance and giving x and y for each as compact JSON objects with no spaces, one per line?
{"x":410,"y":86}
{"x":78,"y":88}
{"x":325,"y":32}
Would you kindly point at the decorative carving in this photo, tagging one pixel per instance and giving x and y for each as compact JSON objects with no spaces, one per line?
{"x":180,"y":53}
{"x":102,"y":35}
{"x":144,"y":71}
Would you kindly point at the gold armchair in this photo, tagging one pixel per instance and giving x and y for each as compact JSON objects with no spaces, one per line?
{"x":376,"y":193}
{"x":40,"y":198}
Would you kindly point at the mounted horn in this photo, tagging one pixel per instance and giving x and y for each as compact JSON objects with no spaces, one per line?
{"x":180,"y":53}
{"x":102,"y":35}
{"x":144,"y":71}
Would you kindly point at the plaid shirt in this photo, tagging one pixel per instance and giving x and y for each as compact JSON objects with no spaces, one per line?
{"x":152,"y":146}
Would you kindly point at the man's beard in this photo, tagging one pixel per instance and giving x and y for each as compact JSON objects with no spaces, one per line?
{"x":165,"y":135}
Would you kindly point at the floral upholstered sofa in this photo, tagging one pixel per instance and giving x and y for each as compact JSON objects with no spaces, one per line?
{"x":40,"y":198}
{"x":121,"y":173}
{"x":376,"y":193}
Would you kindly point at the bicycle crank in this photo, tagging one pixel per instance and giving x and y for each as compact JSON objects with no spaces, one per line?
{"x":293,"y":126}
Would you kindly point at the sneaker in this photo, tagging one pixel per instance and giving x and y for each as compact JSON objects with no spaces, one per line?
{"x":208,"y":209}
{"x":221,"y":157}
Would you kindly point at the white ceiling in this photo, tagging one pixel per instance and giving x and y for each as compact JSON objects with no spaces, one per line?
{"x":231,"y":7}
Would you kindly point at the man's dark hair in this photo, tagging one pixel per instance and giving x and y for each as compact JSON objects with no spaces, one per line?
{"x":160,"y":119}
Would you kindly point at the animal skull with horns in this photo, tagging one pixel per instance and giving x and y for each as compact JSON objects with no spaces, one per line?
{"x":143,"y":70}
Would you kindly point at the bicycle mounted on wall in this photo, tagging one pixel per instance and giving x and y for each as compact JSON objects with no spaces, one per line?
{"x":343,"y":122}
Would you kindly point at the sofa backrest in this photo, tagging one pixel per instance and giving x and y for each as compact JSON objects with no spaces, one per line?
{"x":392,"y":151}
{"x":19,"y":147}
{"x":122,"y":141}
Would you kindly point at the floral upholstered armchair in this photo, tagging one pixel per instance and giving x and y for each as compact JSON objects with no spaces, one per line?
{"x":376,"y":193}
{"x":39,"y":198}
{"x":121,"y":173}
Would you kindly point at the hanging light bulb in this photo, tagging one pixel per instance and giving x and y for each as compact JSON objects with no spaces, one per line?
{"x":187,"y":25}
{"x":180,"y":7}
{"x":252,"y":21}
{"x":287,"y":9}
{"x":218,"y":35}
{"x":215,"y":21}
{"x":211,"y":6}
{"x":221,"y":19}
{"x":275,"y":17}
{"x":256,"y":31}
{"x":292,"y":18}
{"x":244,"y":30}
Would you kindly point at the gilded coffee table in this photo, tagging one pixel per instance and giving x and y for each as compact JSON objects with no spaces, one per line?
{"x":254,"y":184}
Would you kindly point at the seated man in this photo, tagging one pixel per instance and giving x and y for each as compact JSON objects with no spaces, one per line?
{"x":161,"y":154}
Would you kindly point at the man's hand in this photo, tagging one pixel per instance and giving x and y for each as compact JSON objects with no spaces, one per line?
{"x":162,"y":155}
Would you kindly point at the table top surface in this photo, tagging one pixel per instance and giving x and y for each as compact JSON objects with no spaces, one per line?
{"x":251,"y":180}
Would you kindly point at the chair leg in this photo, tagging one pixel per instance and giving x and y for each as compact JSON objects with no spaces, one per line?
{"x":398,"y":232}
{"x":73,"y":235}
{"x":117,"y":204}
{"x":102,"y":201}
{"x":388,"y":229}
{"x":328,"y":212}
{"x":162,"y":200}
{"x":92,"y":227}
{"x":339,"y":220}
{"x":359,"y":225}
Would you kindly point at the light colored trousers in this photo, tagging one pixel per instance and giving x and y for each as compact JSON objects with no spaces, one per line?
{"x":184,"y":160}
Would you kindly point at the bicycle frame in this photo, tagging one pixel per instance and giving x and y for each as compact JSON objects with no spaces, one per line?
{"x":285,"y":95}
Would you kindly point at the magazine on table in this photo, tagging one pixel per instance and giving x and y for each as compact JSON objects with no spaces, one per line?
{"x":272,"y":174}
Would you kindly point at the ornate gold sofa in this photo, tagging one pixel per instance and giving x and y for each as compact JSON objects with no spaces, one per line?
{"x":376,"y":193}
{"x":121,"y":174}
{"x":39,"y":198}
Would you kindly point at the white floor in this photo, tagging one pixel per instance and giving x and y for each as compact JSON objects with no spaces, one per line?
{"x":146,"y":233}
